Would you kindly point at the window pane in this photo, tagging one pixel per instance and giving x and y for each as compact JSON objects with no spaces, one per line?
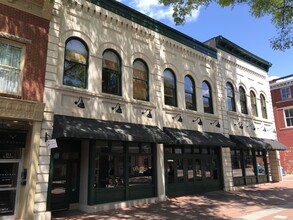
{"x":75,"y":64}
{"x":249,"y":167}
{"x":7,"y":202}
{"x":207,"y":98}
{"x":190,"y":102}
{"x":140,"y":169}
{"x":236,"y":167}
{"x":139,"y":89}
{"x":8,"y":175}
{"x":190,"y":170}
{"x":10,"y":59}
{"x":170,"y":171}
{"x":170,"y":88}
{"x":111,"y":73}
{"x":289,"y":117}
{"x":243,"y":100}
{"x":180,"y":170}
{"x":263,"y":106}
{"x":198,"y":169}
{"x":230,"y":97}
{"x":253,"y":104}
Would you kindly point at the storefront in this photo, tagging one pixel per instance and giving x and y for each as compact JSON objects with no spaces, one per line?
{"x":108,"y":161}
{"x":250,"y":162}
{"x":193,"y":164}
{"x":11,"y":176}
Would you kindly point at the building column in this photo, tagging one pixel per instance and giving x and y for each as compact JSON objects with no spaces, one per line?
{"x":275,"y":166}
{"x":227,"y":169}
{"x":161,"y":173}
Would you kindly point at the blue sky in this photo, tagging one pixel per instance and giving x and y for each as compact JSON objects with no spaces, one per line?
{"x":237,"y":25}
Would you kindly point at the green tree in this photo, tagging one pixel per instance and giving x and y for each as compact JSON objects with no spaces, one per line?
{"x":281,"y":12}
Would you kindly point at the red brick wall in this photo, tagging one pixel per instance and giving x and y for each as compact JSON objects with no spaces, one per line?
{"x":34,"y":28}
{"x":285,"y":135}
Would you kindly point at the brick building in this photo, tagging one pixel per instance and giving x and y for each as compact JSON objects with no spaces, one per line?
{"x":282,"y":100}
{"x":24,"y":29}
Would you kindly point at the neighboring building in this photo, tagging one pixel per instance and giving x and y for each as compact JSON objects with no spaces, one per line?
{"x":24,"y":30}
{"x":282,"y":99}
{"x":139,"y":112}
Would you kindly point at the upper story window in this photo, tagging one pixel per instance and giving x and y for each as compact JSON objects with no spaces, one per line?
{"x":190,"y":99}
{"x":140,"y":80}
{"x":285,"y":93}
{"x":170,"y":88}
{"x":111,"y":73}
{"x":289,"y":117}
{"x":230,"y":97}
{"x":243,"y":101}
{"x":75,"y":63}
{"x":263,"y":106}
{"x":10,"y":68}
{"x":253,"y":104}
{"x":207,"y":97}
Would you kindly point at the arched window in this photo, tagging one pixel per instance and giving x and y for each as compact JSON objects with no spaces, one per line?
{"x":190,"y":99}
{"x":243,"y":102}
{"x":263,"y":106}
{"x":230,"y":97}
{"x":253,"y":104}
{"x":207,"y":97}
{"x":140,"y":80}
{"x":111,"y":73}
{"x":75,"y":63}
{"x":170,"y":88}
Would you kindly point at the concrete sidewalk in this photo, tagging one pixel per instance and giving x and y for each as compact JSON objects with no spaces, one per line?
{"x":268,"y":201}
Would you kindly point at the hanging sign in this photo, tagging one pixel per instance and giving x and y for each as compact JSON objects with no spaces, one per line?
{"x":52,"y":143}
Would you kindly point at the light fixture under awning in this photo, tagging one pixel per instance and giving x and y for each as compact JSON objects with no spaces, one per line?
{"x":85,"y":128}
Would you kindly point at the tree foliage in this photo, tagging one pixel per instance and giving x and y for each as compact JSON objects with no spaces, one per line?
{"x":281,"y":12}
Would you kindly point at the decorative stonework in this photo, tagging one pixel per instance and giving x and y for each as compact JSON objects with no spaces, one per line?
{"x":281,"y":84}
{"x":21,"y":109}
{"x":15,"y":38}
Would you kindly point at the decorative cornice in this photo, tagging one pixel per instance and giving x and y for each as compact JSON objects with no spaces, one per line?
{"x":243,"y":68}
{"x":237,"y":51}
{"x":21,"y":109}
{"x":280,"y":85}
{"x":15,"y":38}
{"x":144,"y":21}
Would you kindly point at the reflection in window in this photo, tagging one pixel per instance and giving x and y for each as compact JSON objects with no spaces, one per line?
{"x":170,"y":88}
{"x":285,"y":93}
{"x":140,"y":80}
{"x":111,"y":73}
{"x":253,"y":104}
{"x":243,"y":103}
{"x":208,"y":170}
{"x":109,"y":165}
{"x":249,"y":166}
{"x":170,"y":171}
{"x":207,"y":97}
{"x":190,"y":170}
{"x":140,"y":169}
{"x":180,"y":173}
{"x":75,"y":63}
{"x":10,"y":64}
{"x":215,"y":168}
{"x":230,"y":97}
{"x":236,"y":166}
{"x":263,"y":106}
{"x":198,"y":169}
{"x":190,"y":100}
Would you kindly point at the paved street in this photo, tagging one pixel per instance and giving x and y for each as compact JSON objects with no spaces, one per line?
{"x":269,"y":201}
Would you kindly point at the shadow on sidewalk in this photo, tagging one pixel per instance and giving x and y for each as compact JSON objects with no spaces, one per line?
{"x":212,"y":205}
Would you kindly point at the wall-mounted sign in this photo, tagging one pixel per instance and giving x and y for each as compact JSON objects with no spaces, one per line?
{"x":52,"y":143}
{"x":12,"y":139}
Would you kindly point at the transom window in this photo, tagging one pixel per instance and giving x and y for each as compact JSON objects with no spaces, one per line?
{"x":111,"y":73}
{"x":170,"y":88}
{"x":207,"y":97}
{"x":289,"y":117}
{"x":286,"y":93}
{"x":243,"y":103}
{"x":230,"y":97}
{"x":140,"y":80}
{"x":190,"y":100}
{"x":263,"y":106}
{"x":10,"y":68}
{"x":75,"y":63}
{"x":253,"y":104}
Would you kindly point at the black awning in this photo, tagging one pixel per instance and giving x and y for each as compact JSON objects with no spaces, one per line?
{"x":251,"y":142}
{"x":74,"y":127}
{"x":275,"y":145}
{"x":191,"y":137}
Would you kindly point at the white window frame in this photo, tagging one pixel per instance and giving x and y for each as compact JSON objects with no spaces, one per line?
{"x":285,"y":118}
{"x":21,"y":65}
{"x":285,"y":93}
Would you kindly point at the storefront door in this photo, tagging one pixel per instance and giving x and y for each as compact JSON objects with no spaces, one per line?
{"x":64,"y":176}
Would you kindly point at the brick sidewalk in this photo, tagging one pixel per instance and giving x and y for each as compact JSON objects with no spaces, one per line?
{"x":213,"y":205}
